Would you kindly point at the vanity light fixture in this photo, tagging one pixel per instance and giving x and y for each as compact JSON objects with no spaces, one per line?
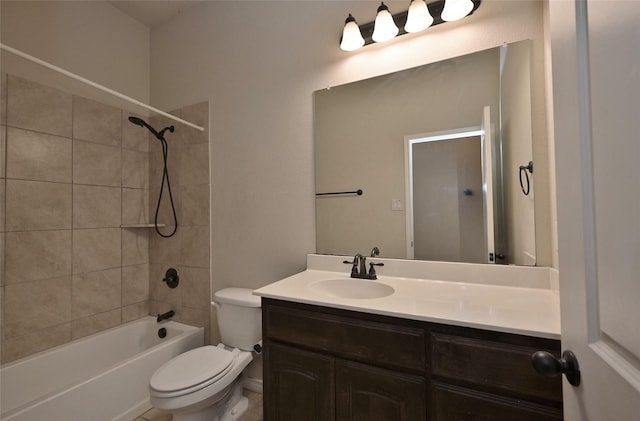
{"x":419,"y":17}
{"x":351,"y":35}
{"x":456,"y":9}
{"x":384,"y":28}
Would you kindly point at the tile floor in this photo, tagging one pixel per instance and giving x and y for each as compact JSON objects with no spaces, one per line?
{"x":254,"y":413}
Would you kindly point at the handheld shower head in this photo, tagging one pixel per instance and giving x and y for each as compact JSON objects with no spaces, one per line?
{"x":165,"y":174}
{"x":140,"y":122}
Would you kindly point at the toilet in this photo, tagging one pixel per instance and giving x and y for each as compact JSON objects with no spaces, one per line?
{"x":206,"y":383}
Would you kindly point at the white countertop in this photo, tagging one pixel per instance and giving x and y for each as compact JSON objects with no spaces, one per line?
{"x":512,"y":309}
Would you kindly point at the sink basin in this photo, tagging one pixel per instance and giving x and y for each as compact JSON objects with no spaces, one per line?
{"x":351,"y":288}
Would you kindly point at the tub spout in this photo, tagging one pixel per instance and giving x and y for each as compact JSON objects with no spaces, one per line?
{"x":164,"y":316}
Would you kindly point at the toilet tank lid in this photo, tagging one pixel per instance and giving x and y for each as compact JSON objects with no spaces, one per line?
{"x":237,"y":296}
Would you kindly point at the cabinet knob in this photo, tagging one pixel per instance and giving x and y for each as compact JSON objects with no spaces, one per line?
{"x":548,"y":365}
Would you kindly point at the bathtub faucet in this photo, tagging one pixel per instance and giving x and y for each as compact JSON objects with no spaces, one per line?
{"x":164,"y":316}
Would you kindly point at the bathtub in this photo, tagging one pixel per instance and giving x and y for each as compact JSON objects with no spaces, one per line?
{"x":104,"y":376}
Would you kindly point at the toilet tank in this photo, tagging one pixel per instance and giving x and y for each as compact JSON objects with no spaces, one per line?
{"x":239,"y":317}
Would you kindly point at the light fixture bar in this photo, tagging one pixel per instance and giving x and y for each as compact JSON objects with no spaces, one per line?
{"x":435,"y":8}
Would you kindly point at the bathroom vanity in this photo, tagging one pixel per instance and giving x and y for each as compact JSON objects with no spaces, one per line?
{"x":413,"y":349}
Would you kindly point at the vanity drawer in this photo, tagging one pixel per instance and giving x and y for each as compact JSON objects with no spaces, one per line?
{"x":459,"y":403}
{"x":493,"y":364}
{"x":378,"y":340}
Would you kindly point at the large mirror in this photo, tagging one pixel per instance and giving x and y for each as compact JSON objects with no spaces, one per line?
{"x":431,"y":162}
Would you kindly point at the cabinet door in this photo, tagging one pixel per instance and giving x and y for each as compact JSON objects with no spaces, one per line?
{"x":299,"y":385}
{"x":366,"y":393}
{"x":453,"y":403}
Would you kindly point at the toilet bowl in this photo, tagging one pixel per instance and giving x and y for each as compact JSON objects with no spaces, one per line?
{"x":206,"y":383}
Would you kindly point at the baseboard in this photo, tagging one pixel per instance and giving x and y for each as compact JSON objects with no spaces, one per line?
{"x":253,"y":384}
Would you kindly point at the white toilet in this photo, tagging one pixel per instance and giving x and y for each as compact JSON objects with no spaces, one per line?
{"x":206,"y":383}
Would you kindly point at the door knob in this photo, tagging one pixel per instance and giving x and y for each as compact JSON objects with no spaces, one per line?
{"x":548,"y":365}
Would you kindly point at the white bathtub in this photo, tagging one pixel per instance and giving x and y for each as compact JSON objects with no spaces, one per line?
{"x":104,"y":376}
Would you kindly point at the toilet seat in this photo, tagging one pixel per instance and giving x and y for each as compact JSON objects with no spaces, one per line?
{"x":192,"y":371}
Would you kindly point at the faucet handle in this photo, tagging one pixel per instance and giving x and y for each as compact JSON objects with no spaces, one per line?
{"x":354,"y":264}
{"x":372,"y":271}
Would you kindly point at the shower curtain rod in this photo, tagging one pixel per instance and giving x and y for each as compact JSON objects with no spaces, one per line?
{"x":95,"y":85}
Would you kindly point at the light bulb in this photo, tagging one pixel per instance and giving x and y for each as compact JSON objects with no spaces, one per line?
{"x":418,"y":18}
{"x":384,"y":28}
{"x":456,"y":9}
{"x":351,"y":35}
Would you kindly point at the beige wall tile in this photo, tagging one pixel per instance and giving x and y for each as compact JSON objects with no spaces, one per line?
{"x":159,"y":307}
{"x":96,"y":122}
{"x":135,"y":206}
{"x":96,"y":292}
{"x":135,"y":169}
{"x":36,"y":107}
{"x":38,"y":156}
{"x":21,"y":346}
{"x":96,"y":249}
{"x":3,"y":196}
{"x":135,"y":284}
{"x":3,"y":149}
{"x":134,"y":137}
{"x":3,"y":190}
{"x":3,"y":99}
{"x":95,"y":323}
{"x":35,"y":255}
{"x":165,"y":215}
{"x":195,"y":285}
{"x":135,"y":311}
{"x":194,"y":164}
{"x":165,"y":251}
{"x":160,"y":292}
{"x":195,"y":246}
{"x":96,"y":164}
{"x":96,"y":207}
{"x":1,"y":322}
{"x":34,"y":205}
{"x":36,"y":305}
{"x":195,"y":205}
{"x":135,"y":246}
{"x":113,"y":280}
{"x":197,"y":317}
{"x":156,"y":164}
{"x":2,"y":271}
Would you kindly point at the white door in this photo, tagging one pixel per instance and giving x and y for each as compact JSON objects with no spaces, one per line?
{"x":596,"y":99}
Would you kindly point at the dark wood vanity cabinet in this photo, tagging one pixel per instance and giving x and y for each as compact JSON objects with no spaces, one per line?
{"x":323,"y":364}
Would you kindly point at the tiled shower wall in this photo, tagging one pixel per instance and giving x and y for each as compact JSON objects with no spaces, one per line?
{"x":188,"y":250}
{"x":74,"y":172}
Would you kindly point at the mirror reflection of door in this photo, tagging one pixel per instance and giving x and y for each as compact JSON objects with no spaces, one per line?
{"x":447,"y":200}
{"x":446,"y":215}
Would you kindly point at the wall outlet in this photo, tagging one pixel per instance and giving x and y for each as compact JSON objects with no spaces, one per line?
{"x":397,"y":205}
